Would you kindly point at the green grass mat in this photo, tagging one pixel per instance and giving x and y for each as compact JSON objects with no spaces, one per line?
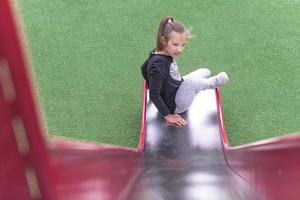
{"x":87,"y":57}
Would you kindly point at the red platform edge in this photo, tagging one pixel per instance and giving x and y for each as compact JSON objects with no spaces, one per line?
{"x":271,"y":166}
{"x":33,"y":167}
{"x":22,"y":109}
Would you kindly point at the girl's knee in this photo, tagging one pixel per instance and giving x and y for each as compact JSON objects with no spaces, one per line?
{"x":201,"y":73}
{"x":188,"y":83}
{"x":204,"y":72}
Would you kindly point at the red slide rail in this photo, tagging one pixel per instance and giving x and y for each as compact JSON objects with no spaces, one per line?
{"x":33,"y":167}
{"x":143,"y":122}
{"x":271,"y":166}
{"x":24,"y":158}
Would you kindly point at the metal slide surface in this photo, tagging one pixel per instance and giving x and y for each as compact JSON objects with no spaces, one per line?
{"x":188,"y":162}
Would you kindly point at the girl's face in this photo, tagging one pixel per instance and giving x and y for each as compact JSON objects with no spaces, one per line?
{"x":176,"y":44}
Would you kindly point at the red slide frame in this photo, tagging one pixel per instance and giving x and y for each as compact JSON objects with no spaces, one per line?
{"x":271,"y":166}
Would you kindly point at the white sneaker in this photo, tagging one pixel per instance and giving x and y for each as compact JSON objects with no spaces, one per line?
{"x":222,"y":79}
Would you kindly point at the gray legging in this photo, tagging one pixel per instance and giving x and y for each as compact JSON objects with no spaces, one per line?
{"x":193,"y":83}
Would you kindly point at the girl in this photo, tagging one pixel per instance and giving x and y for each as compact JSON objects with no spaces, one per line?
{"x":169,"y":92}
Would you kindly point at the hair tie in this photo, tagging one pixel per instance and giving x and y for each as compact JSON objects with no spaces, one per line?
{"x":170,"y":20}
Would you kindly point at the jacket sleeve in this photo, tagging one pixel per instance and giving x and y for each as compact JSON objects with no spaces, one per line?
{"x":156,"y":76}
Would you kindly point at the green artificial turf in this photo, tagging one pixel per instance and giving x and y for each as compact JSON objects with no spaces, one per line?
{"x":87,"y":57}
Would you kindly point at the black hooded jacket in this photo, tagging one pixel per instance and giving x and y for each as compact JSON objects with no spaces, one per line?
{"x":163,"y":78}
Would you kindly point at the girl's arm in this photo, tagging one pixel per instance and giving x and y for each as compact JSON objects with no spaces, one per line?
{"x":156,"y":80}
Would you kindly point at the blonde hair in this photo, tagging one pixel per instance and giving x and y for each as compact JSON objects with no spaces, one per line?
{"x":166,"y":26}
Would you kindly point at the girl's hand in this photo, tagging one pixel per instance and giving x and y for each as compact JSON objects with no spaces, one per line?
{"x":175,"y":119}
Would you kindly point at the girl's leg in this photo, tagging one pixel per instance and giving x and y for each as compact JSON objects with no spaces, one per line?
{"x":185,"y":95}
{"x":193,"y":84}
{"x":197,"y":74}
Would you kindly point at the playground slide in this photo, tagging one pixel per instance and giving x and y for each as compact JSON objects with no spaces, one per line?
{"x":197,"y":162}
{"x":190,"y":162}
